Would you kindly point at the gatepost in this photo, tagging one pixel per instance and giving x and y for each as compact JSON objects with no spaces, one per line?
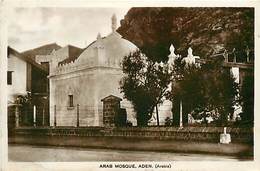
{"x":111,"y":109}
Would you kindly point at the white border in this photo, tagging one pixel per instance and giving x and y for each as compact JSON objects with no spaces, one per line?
{"x":17,"y":166}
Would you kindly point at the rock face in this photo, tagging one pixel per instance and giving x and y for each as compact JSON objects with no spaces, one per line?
{"x":206,"y":30}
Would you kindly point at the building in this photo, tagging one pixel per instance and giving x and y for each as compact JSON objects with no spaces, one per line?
{"x":42,"y":50}
{"x":80,"y":78}
{"x":86,"y":79}
{"x":25,"y":77}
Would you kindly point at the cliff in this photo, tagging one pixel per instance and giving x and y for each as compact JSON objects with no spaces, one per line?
{"x":206,"y":30}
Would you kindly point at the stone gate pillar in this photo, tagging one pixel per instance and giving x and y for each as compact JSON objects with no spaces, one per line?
{"x":111,"y":108}
{"x":17,"y":115}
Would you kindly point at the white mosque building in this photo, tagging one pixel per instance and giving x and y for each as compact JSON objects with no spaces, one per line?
{"x":78,"y":84}
{"x":94,"y":75}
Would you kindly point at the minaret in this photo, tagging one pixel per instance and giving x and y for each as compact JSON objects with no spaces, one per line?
{"x":114,"y":23}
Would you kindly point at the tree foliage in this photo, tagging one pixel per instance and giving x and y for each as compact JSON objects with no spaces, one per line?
{"x":25,"y":107}
{"x":247,"y":100}
{"x":210,"y":87}
{"x":206,"y":88}
{"x":145,"y":84}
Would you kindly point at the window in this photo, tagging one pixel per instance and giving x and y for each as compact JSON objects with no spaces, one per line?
{"x":9,"y":77}
{"x":71,"y":101}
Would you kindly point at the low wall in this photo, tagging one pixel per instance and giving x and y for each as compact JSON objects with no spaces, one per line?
{"x":169,"y":139}
{"x":206,"y":134}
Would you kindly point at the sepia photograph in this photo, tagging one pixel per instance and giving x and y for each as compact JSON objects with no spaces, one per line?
{"x":130,"y":84}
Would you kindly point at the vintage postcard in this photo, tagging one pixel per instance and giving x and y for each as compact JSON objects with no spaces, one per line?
{"x":129,"y":85}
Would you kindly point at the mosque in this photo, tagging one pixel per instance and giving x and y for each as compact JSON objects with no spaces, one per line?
{"x":79,"y":85}
{"x":80,"y":78}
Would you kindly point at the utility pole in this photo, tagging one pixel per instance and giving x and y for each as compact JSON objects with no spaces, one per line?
{"x":55,"y":122}
{"x":157,"y":115}
{"x":77,"y":115}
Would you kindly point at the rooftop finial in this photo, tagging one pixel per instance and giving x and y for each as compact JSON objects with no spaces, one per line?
{"x":114,"y":23}
{"x":172,"y":49}
{"x":190,"y":52}
{"x":98,"y":36}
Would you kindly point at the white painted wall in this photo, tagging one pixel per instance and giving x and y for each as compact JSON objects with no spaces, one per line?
{"x":88,"y":87}
{"x":92,"y":77}
{"x":19,"y":67}
{"x":235,"y":73}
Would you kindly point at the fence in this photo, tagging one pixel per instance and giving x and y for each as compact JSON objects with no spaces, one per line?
{"x":84,"y":115}
{"x":237,"y":56}
{"x":27,"y":116}
{"x":77,"y":115}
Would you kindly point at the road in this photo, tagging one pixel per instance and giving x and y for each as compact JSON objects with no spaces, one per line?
{"x":26,"y":153}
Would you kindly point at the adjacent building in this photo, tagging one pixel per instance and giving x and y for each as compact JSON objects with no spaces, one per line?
{"x":25,"y":77}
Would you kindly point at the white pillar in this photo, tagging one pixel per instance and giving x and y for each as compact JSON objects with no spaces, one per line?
{"x":17,"y":122}
{"x":181,"y":114}
{"x":224,"y":137}
{"x":235,"y":73}
{"x":51,"y":103}
{"x":34,"y":116}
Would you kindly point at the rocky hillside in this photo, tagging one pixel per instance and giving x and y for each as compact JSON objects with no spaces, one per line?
{"x":206,"y":30}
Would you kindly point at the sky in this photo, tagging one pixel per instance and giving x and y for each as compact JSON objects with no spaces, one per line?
{"x":33,"y":27}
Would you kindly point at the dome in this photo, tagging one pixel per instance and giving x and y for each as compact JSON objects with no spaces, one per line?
{"x":110,"y":48}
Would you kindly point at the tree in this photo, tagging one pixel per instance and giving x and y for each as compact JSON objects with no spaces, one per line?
{"x":221,"y":89}
{"x":145,"y":84}
{"x":206,"y":88}
{"x":247,"y":100}
{"x":25,"y":102}
{"x":186,"y":87}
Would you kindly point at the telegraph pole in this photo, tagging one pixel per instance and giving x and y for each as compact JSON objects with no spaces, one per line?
{"x":77,"y":115}
{"x":55,"y":122}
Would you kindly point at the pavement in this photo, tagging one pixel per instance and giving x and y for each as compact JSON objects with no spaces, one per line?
{"x":29,"y":153}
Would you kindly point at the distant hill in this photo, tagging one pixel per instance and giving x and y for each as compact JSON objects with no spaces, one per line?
{"x":206,"y":30}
